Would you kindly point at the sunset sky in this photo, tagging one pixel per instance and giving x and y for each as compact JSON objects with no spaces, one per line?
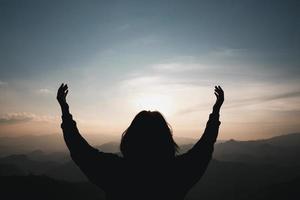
{"x":120,"y":57}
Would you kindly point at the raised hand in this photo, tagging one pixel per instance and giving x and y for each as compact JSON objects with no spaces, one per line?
{"x":62,"y":93}
{"x":220,"y":99}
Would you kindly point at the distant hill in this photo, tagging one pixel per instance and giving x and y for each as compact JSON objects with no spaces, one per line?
{"x":287,"y":140}
{"x":240,"y":170}
{"x":28,"y":143}
{"x":39,"y":155}
{"x":281,"y":150}
{"x":46,"y":143}
{"x":53,"y":143}
{"x":22,"y":162}
{"x":284,"y":149}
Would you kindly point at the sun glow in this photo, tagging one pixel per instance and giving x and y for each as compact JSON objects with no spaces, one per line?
{"x":153,"y":102}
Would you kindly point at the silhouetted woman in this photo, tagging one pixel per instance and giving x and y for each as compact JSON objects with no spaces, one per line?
{"x":149,"y":168}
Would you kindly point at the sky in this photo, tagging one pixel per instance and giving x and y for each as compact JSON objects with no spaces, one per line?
{"x":121,"y":57}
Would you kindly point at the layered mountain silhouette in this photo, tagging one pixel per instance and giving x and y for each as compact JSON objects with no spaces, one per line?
{"x":47,"y":143}
{"x":274,"y":150}
{"x":260,"y":169}
{"x":53,"y":143}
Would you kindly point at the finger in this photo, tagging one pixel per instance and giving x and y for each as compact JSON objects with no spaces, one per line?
{"x":217,"y":88}
{"x":65,"y":87}
{"x":60,"y":90}
{"x":61,"y":86}
{"x":217,"y":95}
{"x":65,"y":94}
{"x":220,"y":89}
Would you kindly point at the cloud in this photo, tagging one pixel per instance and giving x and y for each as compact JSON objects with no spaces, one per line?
{"x":44,"y":91}
{"x":200,"y":73}
{"x":262,"y":99}
{"x":141,"y":81}
{"x":176,"y":67}
{"x":246,"y":102}
{"x":23,"y":117}
{"x":170,"y":73}
{"x":160,"y":83}
{"x":186,"y":80}
{"x":15,"y":118}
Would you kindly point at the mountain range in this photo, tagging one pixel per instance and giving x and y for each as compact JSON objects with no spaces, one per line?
{"x":242,"y":170}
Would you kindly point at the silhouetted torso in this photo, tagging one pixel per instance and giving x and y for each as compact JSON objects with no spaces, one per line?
{"x":142,"y":178}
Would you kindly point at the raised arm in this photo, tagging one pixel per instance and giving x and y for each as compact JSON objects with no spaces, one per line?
{"x":194,"y":162}
{"x":210,"y":134}
{"x":74,"y":141}
{"x":99,"y":167}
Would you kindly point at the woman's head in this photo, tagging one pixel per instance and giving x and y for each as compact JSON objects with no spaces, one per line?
{"x":149,"y":135}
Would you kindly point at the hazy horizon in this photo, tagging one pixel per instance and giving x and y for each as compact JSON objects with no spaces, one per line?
{"x":121,"y":57}
{"x":116,"y":137}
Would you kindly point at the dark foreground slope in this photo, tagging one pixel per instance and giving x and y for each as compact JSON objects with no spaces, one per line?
{"x":42,"y":187}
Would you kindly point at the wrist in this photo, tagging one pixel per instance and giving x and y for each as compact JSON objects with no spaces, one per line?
{"x":216,"y":110}
{"x":63,"y":104}
{"x":64,"y":108}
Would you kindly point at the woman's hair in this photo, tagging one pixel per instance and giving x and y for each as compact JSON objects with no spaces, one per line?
{"x":149,"y":135}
